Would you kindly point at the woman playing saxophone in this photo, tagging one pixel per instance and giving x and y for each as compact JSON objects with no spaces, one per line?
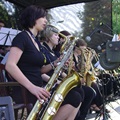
{"x":70,"y":106}
{"x":26,"y":59}
{"x":88,"y":93}
{"x":97,"y":101}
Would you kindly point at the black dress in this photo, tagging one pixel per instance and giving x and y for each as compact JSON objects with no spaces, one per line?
{"x":75,"y":96}
{"x":30,"y":63}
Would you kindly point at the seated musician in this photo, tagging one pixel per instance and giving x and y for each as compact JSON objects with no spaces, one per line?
{"x":88,"y":92}
{"x":50,"y":40}
{"x":25,"y":59}
{"x":96,"y":103}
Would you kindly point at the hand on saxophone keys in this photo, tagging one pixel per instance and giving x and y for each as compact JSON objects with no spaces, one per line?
{"x":40,"y":93}
{"x":56,"y":62}
{"x":42,"y":101}
{"x":70,"y":63}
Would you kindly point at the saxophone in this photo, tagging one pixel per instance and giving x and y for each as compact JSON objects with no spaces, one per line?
{"x":90,"y":74}
{"x":71,"y":81}
{"x":58,"y":96}
{"x":85,"y":65}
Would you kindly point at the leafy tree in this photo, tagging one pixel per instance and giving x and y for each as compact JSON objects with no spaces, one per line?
{"x":4,"y":15}
{"x":96,"y":17}
{"x":10,"y":20}
{"x":116,"y":16}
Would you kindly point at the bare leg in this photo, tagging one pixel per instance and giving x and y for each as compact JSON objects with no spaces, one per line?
{"x":74,"y":113}
{"x":66,"y":112}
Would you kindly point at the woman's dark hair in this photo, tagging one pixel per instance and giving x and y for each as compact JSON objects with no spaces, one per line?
{"x":64,"y":32}
{"x":30,"y":15}
{"x":80,"y":42}
{"x":58,"y":47}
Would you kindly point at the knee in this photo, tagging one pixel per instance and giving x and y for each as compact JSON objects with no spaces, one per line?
{"x":91,"y":92}
{"x":76,"y":99}
{"x":73,"y":98}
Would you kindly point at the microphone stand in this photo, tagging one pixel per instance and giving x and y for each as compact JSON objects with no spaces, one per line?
{"x":101,"y":32}
{"x":103,"y":112}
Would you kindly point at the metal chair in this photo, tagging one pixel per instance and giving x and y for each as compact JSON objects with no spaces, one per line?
{"x":6,"y":108}
{"x":5,"y":88}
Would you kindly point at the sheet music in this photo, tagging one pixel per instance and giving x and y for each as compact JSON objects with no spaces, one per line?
{"x":7,"y":35}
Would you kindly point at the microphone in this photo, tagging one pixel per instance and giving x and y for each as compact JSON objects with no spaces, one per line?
{"x":88,"y":38}
{"x":106,"y":26}
{"x":99,"y":47}
{"x":101,"y":32}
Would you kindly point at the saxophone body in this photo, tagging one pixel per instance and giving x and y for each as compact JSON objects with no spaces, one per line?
{"x":90,"y":74}
{"x":58,"y":96}
{"x":90,"y":77}
{"x":66,"y":85}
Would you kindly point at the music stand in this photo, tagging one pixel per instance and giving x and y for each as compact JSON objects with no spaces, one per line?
{"x":6,"y":108}
{"x":7,"y":35}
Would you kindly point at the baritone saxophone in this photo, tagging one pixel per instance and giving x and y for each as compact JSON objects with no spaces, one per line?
{"x":71,"y":81}
{"x":85,"y":65}
{"x":58,"y":96}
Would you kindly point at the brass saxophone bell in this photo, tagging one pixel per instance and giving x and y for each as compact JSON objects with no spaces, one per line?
{"x":89,"y":78}
{"x":72,"y":38}
{"x":91,"y":75}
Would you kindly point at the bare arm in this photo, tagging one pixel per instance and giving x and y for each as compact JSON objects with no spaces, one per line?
{"x":16,"y":73}
{"x":47,"y":68}
{"x":45,"y":77}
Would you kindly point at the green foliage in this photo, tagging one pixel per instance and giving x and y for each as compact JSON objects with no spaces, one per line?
{"x":9,"y":20}
{"x":3,"y":14}
{"x":116,"y":16}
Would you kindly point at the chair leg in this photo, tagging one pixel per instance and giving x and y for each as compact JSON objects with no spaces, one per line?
{"x":29,"y":108}
{"x":16,"y":114}
{"x":22,"y":113}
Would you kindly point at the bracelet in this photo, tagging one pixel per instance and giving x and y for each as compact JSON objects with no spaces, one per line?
{"x":52,"y":64}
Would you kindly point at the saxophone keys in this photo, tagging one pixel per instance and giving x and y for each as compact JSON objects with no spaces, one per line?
{"x":42,"y":101}
{"x":51,"y":111}
{"x":58,"y":98}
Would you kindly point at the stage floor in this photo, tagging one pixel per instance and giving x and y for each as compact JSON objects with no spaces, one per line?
{"x":114,"y":114}
{"x":114,"y":108}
